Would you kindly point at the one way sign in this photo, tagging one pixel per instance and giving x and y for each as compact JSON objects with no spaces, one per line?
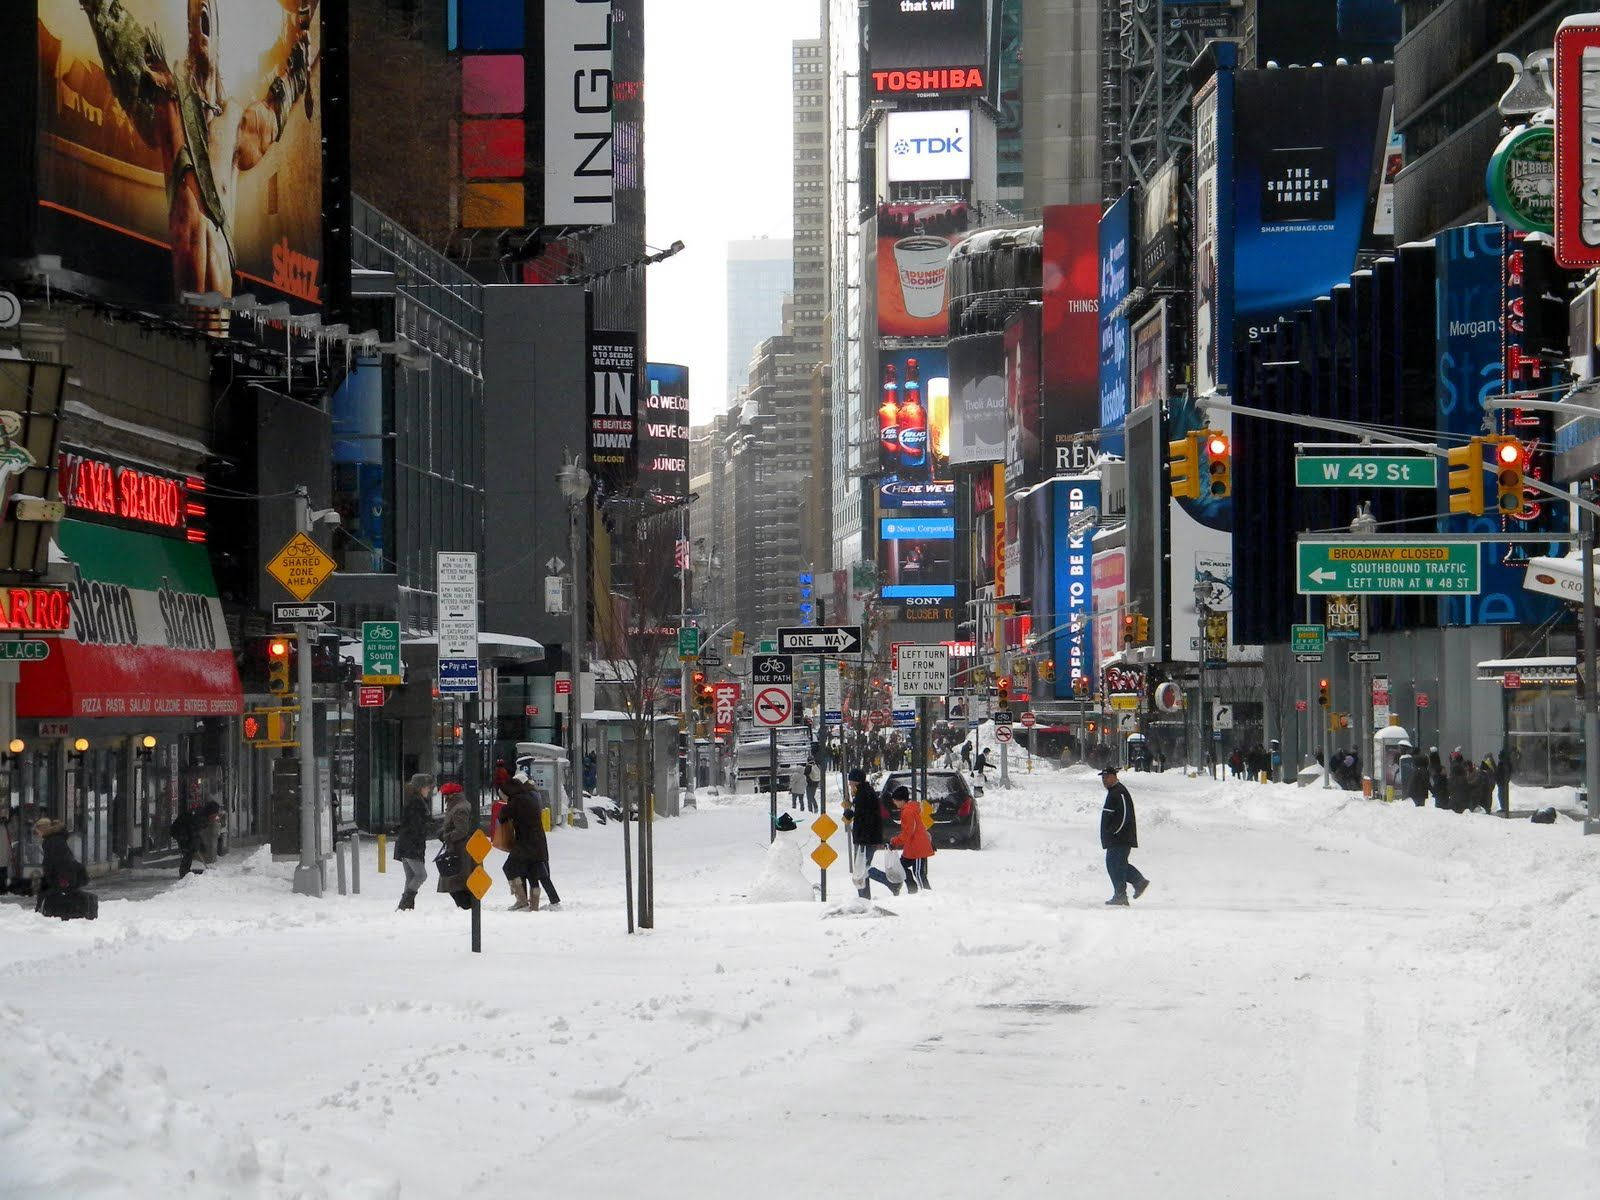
{"x":819,"y":639}
{"x":316,"y":613}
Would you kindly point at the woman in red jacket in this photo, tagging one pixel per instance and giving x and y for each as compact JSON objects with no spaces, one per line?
{"x":915,"y":846}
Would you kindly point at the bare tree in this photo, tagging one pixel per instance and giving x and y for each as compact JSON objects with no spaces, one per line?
{"x":638,"y":632}
{"x":1279,"y":687}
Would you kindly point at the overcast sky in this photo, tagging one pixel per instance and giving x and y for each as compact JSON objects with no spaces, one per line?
{"x":717,"y":162}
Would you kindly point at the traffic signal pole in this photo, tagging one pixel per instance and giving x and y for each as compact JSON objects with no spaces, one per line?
{"x":308,"y":880}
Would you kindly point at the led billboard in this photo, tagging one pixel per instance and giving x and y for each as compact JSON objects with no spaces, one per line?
{"x":612,"y":407}
{"x":916,"y":558}
{"x":1070,"y":406}
{"x":914,"y":241}
{"x":928,"y":146}
{"x":978,"y":398}
{"x":1159,"y":224}
{"x":1116,"y":282}
{"x":180,"y":146}
{"x":914,"y":412}
{"x":1022,"y":397}
{"x":664,"y":433}
{"x":1074,"y":584}
{"x":928,"y":47}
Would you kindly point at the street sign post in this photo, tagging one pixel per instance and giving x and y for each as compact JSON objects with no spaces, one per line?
{"x":819,"y":639}
{"x":301,"y":566}
{"x":478,"y":883}
{"x":1002,"y":734}
{"x":1366,"y":470}
{"x":1308,"y":639}
{"x":688,"y":642}
{"x":772,"y":704}
{"x":1365,"y":656}
{"x":380,"y":653}
{"x":457,"y":573}
{"x":318,"y":612}
{"x":29,"y":651}
{"x":1388,"y":568}
{"x":370,"y":696}
{"x":922,"y":671}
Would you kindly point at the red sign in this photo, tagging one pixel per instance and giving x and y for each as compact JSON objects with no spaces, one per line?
{"x":935,"y":79}
{"x":563,"y":687}
{"x":1422,"y":700}
{"x":1577,"y":156}
{"x":134,"y":495}
{"x":1511,"y":681}
{"x":1300,"y":706}
{"x":370,"y":696}
{"x":530,"y":710}
{"x":1029,"y":720}
{"x":35,"y":610}
{"x":724,"y":697}
{"x":1379,"y":697}
{"x":1002,"y":733}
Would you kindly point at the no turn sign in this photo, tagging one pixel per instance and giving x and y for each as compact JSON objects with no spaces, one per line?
{"x":774,"y":704}
{"x":1002,"y":734}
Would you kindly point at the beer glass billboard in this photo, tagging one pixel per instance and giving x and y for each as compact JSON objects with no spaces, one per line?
{"x":914,"y":241}
{"x":180,"y":145}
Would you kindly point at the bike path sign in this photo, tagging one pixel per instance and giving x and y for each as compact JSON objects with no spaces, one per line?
{"x":1393,"y":568}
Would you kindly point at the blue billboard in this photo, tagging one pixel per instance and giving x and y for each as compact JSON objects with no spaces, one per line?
{"x":1470,"y":368}
{"x":1116,"y":259}
{"x":916,"y":558}
{"x":1074,"y":583}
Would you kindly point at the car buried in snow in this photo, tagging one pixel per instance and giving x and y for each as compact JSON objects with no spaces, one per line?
{"x":955,"y":806}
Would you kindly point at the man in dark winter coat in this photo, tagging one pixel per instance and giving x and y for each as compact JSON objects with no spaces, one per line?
{"x":1459,"y":782}
{"x":411,"y":839}
{"x":1119,"y":836}
{"x":863,"y":813}
{"x":61,"y":875}
{"x":528,"y":861}
{"x":1502,"y":778}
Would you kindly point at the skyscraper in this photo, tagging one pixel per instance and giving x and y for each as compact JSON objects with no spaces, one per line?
{"x":760,"y":275}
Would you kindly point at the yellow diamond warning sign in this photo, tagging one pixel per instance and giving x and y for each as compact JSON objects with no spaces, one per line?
{"x":824,"y":856}
{"x":478,"y":846}
{"x":479,"y":883}
{"x":824,"y":827}
{"x":301,"y":566}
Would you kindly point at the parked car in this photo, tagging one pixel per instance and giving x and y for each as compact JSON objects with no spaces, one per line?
{"x":955,"y":806}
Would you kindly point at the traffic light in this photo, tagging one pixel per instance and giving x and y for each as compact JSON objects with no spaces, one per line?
{"x":1047,"y":670}
{"x":1129,"y":630}
{"x":1219,"y":465}
{"x":1322,"y":693}
{"x":1183,"y":467}
{"x":1141,"y":631}
{"x":1002,"y":690}
{"x":738,"y":642}
{"x":1510,"y":461}
{"x":699,"y":689}
{"x":1466,"y":479}
{"x":278,"y":667}
{"x":1091,"y":726}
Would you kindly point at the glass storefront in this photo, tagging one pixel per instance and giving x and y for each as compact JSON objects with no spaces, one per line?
{"x":1545,"y":734}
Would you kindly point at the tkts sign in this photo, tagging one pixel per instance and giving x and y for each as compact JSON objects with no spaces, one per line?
{"x":613,"y":407}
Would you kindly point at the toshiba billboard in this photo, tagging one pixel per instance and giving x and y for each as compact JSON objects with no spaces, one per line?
{"x":929,"y":47}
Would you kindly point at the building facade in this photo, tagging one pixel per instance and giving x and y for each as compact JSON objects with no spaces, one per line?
{"x":760,"y":277}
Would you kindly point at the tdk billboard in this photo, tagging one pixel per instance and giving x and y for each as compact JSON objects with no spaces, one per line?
{"x":929,"y":146}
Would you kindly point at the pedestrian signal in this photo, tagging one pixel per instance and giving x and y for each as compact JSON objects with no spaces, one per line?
{"x":1510,"y":462}
{"x":1466,"y":479}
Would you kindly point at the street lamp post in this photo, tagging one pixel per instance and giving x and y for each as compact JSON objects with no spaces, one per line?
{"x":575,"y":483}
{"x":1203,"y":612}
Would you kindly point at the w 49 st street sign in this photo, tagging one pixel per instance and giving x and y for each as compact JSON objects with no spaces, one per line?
{"x":1366,"y":470}
{"x":1392,"y":568}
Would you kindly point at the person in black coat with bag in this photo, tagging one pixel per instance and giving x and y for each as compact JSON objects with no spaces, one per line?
{"x":1119,"y":835}
{"x":528,"y":860}
{"x":411,"y":839}
{"x":863,"y":813}
{"x":61,"y":876}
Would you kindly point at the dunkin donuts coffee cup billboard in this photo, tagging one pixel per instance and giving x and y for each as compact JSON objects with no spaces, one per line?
{"x":914,"y":242}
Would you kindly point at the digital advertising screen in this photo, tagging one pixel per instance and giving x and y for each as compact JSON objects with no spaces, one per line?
{"x":1070,"y":332}
{"x":929,"y":146}
{"x":1074,"y":583}
{"x":1116,"y":282}
{"x":664,"y":433}
{"x":914,"y":412}
{"x":1159,"y":224}
{"x":1022,"y":397}
{"x":914,"y":241}
{"x":928,"y":47}
{"x":180,"y":146}
{"x":916,"y":558}
{"x":978,"y":398}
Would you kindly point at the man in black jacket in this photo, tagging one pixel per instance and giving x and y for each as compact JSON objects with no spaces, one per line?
{"x":863,"y":814}
{"x":411,"y":839}
{"x":1119,"y":835}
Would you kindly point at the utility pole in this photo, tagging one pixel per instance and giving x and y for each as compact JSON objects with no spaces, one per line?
{"x":1591,"y":676}
{"x":308,"y":873}
{"x":574,"y":482}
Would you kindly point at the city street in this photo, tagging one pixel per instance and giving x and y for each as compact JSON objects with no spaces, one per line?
{"x":1320,"y":996}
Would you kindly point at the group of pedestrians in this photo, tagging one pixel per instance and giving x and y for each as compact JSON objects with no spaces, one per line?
{"x":517,"y":827}
{"x":903,"y":856}
{"x":804,"y":782}
{"x":1458,"y":784}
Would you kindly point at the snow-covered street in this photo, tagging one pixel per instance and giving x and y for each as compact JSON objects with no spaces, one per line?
{"x":1320,"y":996}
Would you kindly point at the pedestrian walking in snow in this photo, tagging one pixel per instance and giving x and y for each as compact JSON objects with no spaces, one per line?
{"x":983,"y":764}
{"x":813,"y":782}
{"x":196,"y":832}
{"x":411,"y":839}
{"x":1119,"y":836}
{"x":863,"y":813}
{"x":528,"y":861}
{"x":913,"y":842}
{"x":797,"y":786}
{"x":966,"y":756}
{"x":452,"y":862}
{"x":62,"y":877}
{"x":1502,"y":778}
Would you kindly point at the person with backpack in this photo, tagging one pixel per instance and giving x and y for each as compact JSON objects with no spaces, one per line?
{"x":62,"y":877}
{"x":452,"y":862}
{"x":528,"y":853}
{"x":813,"y":782}
{"x":913,"y":841}
{"x":863,"y":814}
{"x":411,"y":838}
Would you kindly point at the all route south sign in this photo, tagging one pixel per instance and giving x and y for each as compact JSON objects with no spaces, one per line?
{"x":1389,"y":568}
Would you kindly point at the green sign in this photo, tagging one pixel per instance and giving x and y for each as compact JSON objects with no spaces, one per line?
{"x":24,"y":651}
{"x":1308,"y":639}
{"x":688,"y":641}
{"x":1521,"y":179}
{"x":1397,"y":568}
{"x":1366,"y":470}
{"x":380,"y":653}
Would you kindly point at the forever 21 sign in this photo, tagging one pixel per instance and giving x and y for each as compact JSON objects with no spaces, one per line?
{"x":578,"y":95}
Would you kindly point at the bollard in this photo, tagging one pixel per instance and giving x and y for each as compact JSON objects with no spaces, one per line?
{"x":355,"y":862}
{"x":338,"y":854}
{"x":383,"y":853}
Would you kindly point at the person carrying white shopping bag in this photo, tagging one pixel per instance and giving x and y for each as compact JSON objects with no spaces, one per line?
{"x":864,"y":814}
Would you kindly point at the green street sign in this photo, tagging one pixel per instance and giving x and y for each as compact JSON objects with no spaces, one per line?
{"x":1308,"y":639}
{"x":688,"y":641}
{"x":1394,"y":568}
{"x":1366,"y":470}
{"x":380,"y":653}
{"x":29,"y":651}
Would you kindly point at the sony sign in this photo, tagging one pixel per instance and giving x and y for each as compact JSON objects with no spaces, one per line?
{"x":929,"y":146}
{"x":577,"y":112}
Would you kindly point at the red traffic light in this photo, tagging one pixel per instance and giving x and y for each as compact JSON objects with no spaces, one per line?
{"x":278,"y":648}
{"x":1216,"y":445}
{"x":1510,"y":454}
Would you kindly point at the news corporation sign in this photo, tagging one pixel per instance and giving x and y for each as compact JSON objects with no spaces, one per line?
{"x":929,"y":146}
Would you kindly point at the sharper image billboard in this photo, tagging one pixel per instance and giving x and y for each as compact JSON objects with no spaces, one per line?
{"x":180,"y":146}
{"x":927,"y":47}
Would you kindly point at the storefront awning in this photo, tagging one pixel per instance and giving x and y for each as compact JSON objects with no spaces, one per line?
{"x":147,"y":636}
{"x":1558,"y":669}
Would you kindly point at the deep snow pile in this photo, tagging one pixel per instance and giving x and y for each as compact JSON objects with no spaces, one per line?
{"x":1320,"y":996}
